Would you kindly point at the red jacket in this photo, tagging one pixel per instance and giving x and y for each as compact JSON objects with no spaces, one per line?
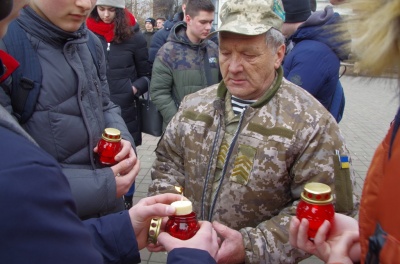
{"x":379,"y":203}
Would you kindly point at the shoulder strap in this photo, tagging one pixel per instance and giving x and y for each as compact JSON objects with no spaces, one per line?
{"x":27,"y":78}
{"x":92,"y":48}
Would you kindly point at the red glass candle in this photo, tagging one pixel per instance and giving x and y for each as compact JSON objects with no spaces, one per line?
{"x":109,"y":145}
{"x":183,"y":224}
{"x":316,"y":206}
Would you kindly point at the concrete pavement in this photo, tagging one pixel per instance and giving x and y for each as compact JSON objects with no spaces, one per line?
{"x":371,"y":104}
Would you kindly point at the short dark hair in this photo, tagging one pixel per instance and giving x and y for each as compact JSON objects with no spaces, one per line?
{"x":193,"y":7}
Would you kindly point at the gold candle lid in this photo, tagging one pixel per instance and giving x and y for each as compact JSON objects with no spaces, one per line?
{"x":317,"y":193}
{"x":111,"y":135}
{"x":154,"y":230}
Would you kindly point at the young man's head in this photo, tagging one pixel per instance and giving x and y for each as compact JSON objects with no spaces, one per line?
{"x":69,"y":15}
{"x":199,"y":16}
{"x":296,"y":13}
{"x":149,"y":24}
{"x":160,"y":22}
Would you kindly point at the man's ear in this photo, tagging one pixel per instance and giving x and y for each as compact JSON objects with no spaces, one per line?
{"x":280,"y":54}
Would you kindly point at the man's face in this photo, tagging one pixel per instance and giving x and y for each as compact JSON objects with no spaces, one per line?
{"x":199,"y":27}
{"x":68,"y":15}
{"x":160,"y":23}
{"x":247,"y":64}
{"x":148,"y":26}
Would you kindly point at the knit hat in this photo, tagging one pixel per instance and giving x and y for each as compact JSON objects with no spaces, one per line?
{"x":113,"y":3}
{"x":296,"y":10}
{"x":250,"y":17}
{"x":151,"y":20}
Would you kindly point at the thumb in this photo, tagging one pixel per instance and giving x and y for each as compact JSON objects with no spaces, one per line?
{"x":167,"y":241}
{"x":140,"y":213}
{"x":220,"y":228}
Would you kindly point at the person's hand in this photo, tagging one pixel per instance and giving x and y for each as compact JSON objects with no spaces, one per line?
{"x":134,"y":90}
{"x":232,"y":248}
{"x":126,"y":169}
{"x":337,"y":243}
{"x":205,"y":239}
{"x":148,"y":208}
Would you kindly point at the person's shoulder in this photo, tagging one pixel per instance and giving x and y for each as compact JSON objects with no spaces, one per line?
{"x":16,"y":145}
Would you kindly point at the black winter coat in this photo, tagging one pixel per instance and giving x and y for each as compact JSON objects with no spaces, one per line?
{"x":127,"y":66}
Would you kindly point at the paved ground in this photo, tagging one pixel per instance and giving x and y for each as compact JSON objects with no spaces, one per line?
{"x":370,"y":106}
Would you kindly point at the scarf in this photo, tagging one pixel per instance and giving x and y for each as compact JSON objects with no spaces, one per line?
{"x":107,"y":30}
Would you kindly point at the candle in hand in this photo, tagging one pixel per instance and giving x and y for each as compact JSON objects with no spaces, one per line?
{"x":183,"y":224}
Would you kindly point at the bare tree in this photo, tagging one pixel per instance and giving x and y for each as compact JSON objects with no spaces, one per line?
{"x":143,"y":9}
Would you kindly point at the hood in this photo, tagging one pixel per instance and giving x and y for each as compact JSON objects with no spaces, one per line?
{"x":322,"y":26}
{"x":178,"y":34}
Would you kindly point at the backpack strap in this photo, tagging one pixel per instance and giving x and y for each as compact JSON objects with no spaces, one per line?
{"x":27,"y":78}
{"x":93,"y":51}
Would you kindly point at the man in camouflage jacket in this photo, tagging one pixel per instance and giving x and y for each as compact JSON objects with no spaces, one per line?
{"x":247,"y":171}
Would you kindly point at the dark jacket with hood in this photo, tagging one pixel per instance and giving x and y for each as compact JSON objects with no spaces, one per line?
{"x":314,"y":61}
{"x":72,"y":111}
{"x":127,"y":66}
{"x":161,"y":36}
{"x":180,"y":68}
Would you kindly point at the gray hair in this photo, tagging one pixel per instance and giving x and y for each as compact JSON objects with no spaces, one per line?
{"x":274,"y":39}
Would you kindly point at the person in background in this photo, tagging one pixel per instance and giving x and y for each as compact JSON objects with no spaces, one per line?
{"x":188,"y":62}
{"x":314,"y":53}
{"x":33,"y":228}
{"x":128,"y":69}
{"x":376,"y":237}
{"x":161,"y":36}
{"x":160,"y":22}
{"x":243,"y":149}
{"x":74,"y":107}
{"x":150,"y":25}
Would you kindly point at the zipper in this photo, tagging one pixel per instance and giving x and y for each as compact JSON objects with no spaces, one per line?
{"x":203,"y":196}
{"x":214,"y":198}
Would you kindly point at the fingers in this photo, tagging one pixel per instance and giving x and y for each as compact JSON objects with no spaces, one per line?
{"x":126,"y":151}
{"x":320,"y":241}
{"x":303,"y":241}
{"x":293,"y":231}
{"x":220,"y":229}
{"x":169,"y":242}
{"x":125,"y":166}
{"x":142,"y":213}
{"x":166,"y":198}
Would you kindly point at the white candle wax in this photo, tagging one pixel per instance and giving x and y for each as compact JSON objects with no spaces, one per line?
{"x":182,"y":207}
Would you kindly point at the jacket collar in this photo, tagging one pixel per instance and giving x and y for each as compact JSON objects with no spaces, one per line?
{"x":269,"y":94}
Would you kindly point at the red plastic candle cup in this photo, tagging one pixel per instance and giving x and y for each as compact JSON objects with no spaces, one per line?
{"x":316,"y":206}
{"x":183,"y":224}
{"x":109,"y":146}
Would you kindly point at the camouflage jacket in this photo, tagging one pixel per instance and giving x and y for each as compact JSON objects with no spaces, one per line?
{"x":284,"y":140}
{"x":180,"y":69}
